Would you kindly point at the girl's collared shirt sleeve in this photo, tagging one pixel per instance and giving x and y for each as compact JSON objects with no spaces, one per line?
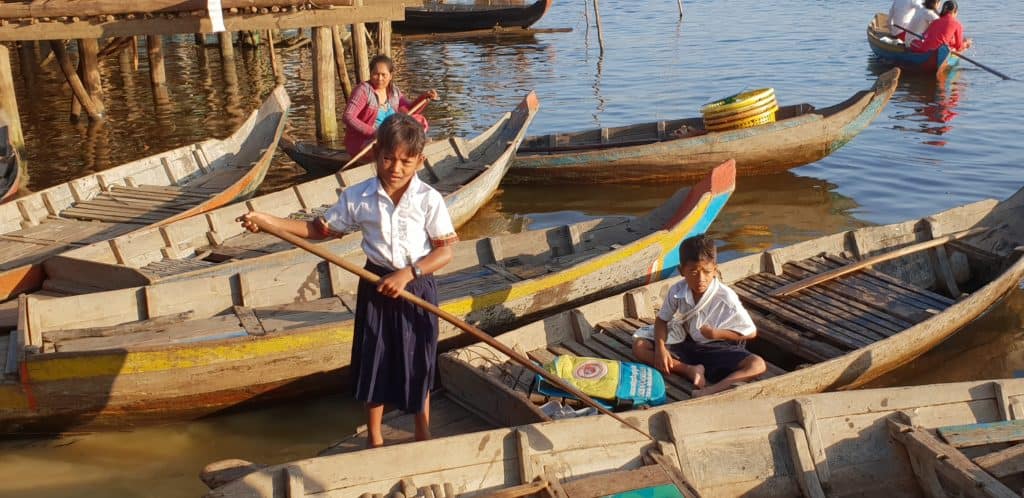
{"x":439,"y":222}
{"x":339,"y":218}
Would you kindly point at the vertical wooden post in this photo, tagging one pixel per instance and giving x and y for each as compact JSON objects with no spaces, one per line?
{"x":8,"y":102}
{"x":227,"y":48}
{"x":384,"y":37}
{"x":157,"y":71}
{"x":680,"y":4}
{"x":323,"y":86}
{"x":275,"y":65}
{"x":135,"y":53}
{"x":360,"y":55}
{"x":29,"y":63}
{"x":61,"y":54}
{"x":341,"y":65}
{"x":600,"y":34}
{"x":200,"y":39}
{"x":90,"y":70}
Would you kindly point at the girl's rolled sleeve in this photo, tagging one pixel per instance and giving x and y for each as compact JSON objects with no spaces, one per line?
{"x":439,"y":222}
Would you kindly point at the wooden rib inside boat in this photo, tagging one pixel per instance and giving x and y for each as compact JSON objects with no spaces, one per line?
{"x":156,"y":190}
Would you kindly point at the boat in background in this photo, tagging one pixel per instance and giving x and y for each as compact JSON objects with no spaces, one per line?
{"x":651,"y":152}
{"x":10,"y":164}
{"x":316,"y":159}
{"x":885,"y":46}
{"x":874,"y":442}
{"x":441,"y":17}
{"x":284,"y":328}
{"x":155,"y":190}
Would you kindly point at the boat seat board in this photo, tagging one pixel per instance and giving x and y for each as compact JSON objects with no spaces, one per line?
{"x":962,"y":436}
{"x":128,"y":204}
{"x":56,"y":235}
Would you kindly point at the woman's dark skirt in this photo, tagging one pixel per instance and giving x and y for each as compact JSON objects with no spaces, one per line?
{"x":394,"y":348}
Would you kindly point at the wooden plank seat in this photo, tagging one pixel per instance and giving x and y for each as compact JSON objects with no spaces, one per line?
{"x":141,"y":204}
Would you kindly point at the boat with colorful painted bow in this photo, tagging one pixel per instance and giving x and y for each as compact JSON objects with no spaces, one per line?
{"x":889,"y":50}
{"x":189,"y":348}
{"x":682,"y":150}
{"x":155,"y":190}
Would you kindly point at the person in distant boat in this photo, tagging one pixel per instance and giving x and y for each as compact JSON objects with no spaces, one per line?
{"x":706,"y":346}
{"x":923,"y":17}
{"x":946,"y":30}
{"x":407,"y":236}
{"x":900,"y":14}
{"x":371,"y":102}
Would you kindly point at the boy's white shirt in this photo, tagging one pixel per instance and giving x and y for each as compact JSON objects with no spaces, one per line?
{"x":719,"y":307}
{"x":393,"y":236}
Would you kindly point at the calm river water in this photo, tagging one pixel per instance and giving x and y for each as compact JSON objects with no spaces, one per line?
{"x":938,"y":144}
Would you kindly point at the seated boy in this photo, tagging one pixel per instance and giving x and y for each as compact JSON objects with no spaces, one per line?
{"x":713,"y":324}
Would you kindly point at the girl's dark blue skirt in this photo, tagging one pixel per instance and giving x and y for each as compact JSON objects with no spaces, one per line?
{"x":394,"y":347}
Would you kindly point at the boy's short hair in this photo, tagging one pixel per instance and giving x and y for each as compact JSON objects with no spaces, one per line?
{"x":697,"y":249}
{"x":400,"y":130}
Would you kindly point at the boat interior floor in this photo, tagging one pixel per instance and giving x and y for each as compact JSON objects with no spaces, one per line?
{"x":812,"y":325}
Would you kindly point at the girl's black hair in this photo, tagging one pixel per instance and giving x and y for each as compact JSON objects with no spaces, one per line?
{"x":949,"y":6}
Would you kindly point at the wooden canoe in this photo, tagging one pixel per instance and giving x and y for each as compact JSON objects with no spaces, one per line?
{"x":442,"y":17}
{"x":10,"y":165}
{"x":131,"y":355}
{"x":649,"y":153}
{"x":315,"y":159}
{"x":835,"y":335}
{"x":855,"y":443}
{"x":156,"y":190}
{"x":466,"y":172}
{"x":897,"y":54}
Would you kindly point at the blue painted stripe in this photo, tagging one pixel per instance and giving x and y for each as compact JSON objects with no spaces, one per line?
{"x":670,"y":262}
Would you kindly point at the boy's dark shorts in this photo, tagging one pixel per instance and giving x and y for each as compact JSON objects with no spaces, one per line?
{"x":720,"y":358}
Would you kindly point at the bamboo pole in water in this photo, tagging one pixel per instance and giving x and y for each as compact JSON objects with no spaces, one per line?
{"x":71,"y":76}
{"x":339,"y":59}
{"x":680,"y":4}
{"x":275,"y":64}
{"x":323,"y":84}
{"x":600,"y":34}
{"x":8,"y":102}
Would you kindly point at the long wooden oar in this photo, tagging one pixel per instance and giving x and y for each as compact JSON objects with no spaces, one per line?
{"x":450,"y":318}
{"x":416,"y":108}
{"x":788,"y":289}
{"x":960,"y":55}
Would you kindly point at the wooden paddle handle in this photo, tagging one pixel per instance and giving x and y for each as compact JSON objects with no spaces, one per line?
{"x":416,"y":108}
{"x":450,"y":318}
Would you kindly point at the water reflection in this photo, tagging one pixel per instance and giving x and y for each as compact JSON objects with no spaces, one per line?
{"x":928,"y":102}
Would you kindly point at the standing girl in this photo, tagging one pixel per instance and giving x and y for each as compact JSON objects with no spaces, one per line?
{"x":407,"y":236}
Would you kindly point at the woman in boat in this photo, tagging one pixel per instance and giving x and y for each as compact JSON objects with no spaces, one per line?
{"x":923,"y":17}
{"x":372,"y":102}
{"x":946,"y":30}
{"x":900,"y":14}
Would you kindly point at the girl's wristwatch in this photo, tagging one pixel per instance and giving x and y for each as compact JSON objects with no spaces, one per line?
{"x":416,"y":272}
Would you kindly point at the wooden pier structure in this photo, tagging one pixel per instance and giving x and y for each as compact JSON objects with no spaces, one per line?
{"x":105,"y":27}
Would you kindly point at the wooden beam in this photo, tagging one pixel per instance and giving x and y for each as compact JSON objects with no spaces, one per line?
{"x":360,"y":53}
{"x":1004,"y":462}
{"x":9,"y":102}
{"x":54,"y":30}
{"x":323,"y":84}
{"x":69,"y":8}
{"x":962,"y":436}
{"x":77,"y":88}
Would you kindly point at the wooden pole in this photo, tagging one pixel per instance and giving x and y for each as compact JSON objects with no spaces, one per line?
{"x":323,"y":84}
{"x":135,"y":53}
{"x":88,"y":57}
{"x":29,"y":64}
{"x":600,"y":33}
{"x":384,"y":37}
{"x":834,"y":273}
{"x":9,"y":102}
{"x":227,"y":48}
{"x":76,"y":106}
{"x":157,"y":71}
{"x":275,"y":64}
{"x":475,"y":332}
{"x":360,"y":53}
{"x":200,"y":39}
{"x":77,"y":88}
{"x":680,"y":4}
{"x":339,"y":62}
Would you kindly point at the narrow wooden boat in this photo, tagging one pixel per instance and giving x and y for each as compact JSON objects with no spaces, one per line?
{"x":839,"y":334}
{"x":156,"y":190}
{"x":10,"y":165}
{"x":315,"y":159}
{"x":276,"y":330}
{"x":466,"y":172}
{"x":897,"y":54}
{"x":440,"y":17}
{"x":875,"y":442}
{"x":649,"y":152}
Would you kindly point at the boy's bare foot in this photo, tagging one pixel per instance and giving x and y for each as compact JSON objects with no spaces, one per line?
{"x":697,"y":376}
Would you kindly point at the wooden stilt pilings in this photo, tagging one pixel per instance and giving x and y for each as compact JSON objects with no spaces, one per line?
{"x":8,"y":103}
{"x":360,"y":53}
{"x":157,"y":71}
{"x":323,"y":84}
{"x":71,"y":75}
{"x":29,"y":63}
{"x":384,"y":37}
{"x":227,"y":48}
{"x":88,"y":57}
{"x":200,"y":39}
{"x":275,"y":65}
{"x":340,"y":64}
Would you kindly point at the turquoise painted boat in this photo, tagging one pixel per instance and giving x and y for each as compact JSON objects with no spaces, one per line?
{"x":680,"y":150}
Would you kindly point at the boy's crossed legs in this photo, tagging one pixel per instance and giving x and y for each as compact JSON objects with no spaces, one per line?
{"x":697,"y":362}
{"x":643,"y":350}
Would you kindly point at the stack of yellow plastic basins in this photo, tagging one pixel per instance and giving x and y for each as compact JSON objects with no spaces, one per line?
{"x":743,"y":110}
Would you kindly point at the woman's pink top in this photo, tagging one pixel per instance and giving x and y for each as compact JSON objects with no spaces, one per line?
{"x":945,"y":30}
{"x":361,"y":114}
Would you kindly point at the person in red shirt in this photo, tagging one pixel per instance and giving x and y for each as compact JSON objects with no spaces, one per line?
{"x":946,"y":30}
